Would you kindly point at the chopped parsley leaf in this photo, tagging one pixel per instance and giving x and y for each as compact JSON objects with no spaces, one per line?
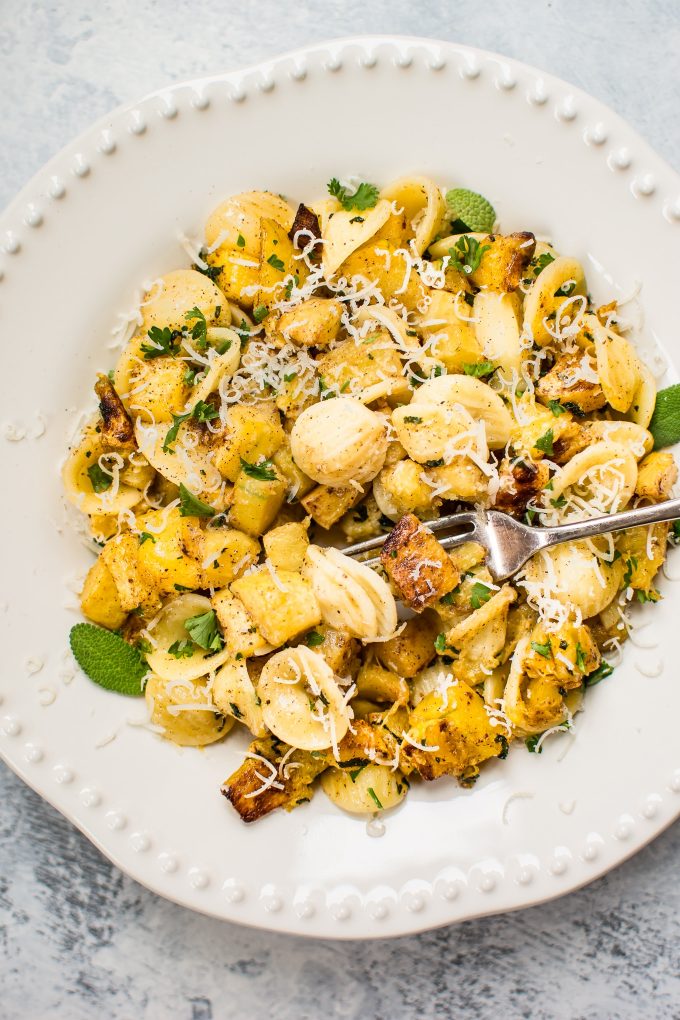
{"x":545,"y":443}
{"x":556,"y":408}
{"x":204,"y":631}
{"x":314,"y":639}
{"x":365,"y":196}
{"x":374,"y":797}
{"x":192,"y":506}
{"x":146,"y":536}
{"x":479,"y":594}
{"x":264,"y":471}
{"x":182,"y":649}
{"x":99,"y":479}
{"x":601,"y":673}
{"x":276,"y":263}
{"x":542,"y":649}
{"x":199,"y":330}
{"x":480,"y":369}
{"x":260,"y":313}
{"x":240,"y":241}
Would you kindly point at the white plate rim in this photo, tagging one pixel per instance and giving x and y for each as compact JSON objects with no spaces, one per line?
{"x":23,"y":214}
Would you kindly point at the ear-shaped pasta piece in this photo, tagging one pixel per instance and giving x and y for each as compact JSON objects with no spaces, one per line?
{"x":402,"y":334}
{"x":302,"y":703}
{"x":371,"y":788}
{"x":86,"y":472}
{"x":434,"y":678}
{"x":182,"y":290}
{"x":644,"y":398}
{"x":235,"y":224}
{"x":573,"y":576}
{"x":634,"y":437}
{"x":339,"y":441}
{"x":187,"y":660}
{"x":221,"y":367}
{"x":478,"y":399}
{"x":550,"y":298}
{"x":351,"y":596}
{"x":423,"y":204}
{"x":345,"y":231}
{"x":497,"y":329}
{"x":188,"y":465}
{"x":185,"y":712}
{"x":603,"y":475}
{"x":435,"y":432}
{"x":165,"y":306}
{"x":233,"y":693}
{"x":617,"y":367}
{"x":532,"y":706}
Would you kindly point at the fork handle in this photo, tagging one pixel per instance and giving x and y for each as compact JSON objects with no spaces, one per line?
{"x":669,"y":510}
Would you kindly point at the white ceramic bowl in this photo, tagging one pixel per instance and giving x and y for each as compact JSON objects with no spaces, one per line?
{"x":75,"y":246}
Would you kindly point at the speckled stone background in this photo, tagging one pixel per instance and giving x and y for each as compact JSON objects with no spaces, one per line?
{"x":80,"y":940}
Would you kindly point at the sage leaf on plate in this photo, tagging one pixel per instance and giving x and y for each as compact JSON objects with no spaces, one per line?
{"x":665,"y":423}
{"x":107,"y":659}
{"x":471,"y":210}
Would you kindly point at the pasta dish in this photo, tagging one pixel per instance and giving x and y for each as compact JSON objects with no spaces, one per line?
{"x":330,"y":372}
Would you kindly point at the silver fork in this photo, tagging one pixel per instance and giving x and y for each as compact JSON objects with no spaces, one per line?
{"x":509,"y":543}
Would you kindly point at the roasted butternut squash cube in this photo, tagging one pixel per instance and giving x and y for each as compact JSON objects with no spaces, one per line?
{"x":456,"y":726}
{"x":339,"y":649}
{"x":135,"y":586}
{"x":256,"y":502}
{"x":241,"y":636}
{"x":281,"y":604}
{"x":297,"y":783}
{"x":286,"y":545}
{"x":446,"y":326}
{"x":313,"y":323}
{"x":417,"y":564}
{"x":276,"y":262}
{"x":299,"y":484}
{"x":505,"y":262}
{"x":352,"y":368}
{"x":160,"y":387}
{"x":570,"y":381}
{"x":173,"y":555}
{"x":657,"y":474}
{"x":226,"y":554}
{"x":520,"y":482}
{"x":413,"y":649}
{"x":254,"y":433}
{"x":99,"y":597}
{"x":327,"y":505}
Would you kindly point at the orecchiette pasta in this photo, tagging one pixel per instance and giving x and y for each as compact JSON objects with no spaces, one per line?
{"x":356,"y":366}
{"x":302,"y":702}
{"x":339,"y":441}
{"x":351,"y":596}
{"x":170,"y":636}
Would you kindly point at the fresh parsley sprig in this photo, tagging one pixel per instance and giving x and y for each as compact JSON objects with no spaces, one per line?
{"x":466,"y":254}
{"x":163,"y":342}
{"x":365,"y":196}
